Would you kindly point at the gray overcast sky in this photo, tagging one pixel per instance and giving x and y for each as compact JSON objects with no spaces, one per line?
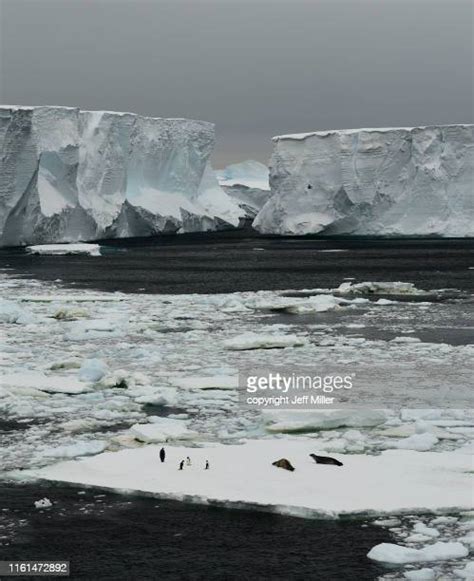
{"x":256,"y":68}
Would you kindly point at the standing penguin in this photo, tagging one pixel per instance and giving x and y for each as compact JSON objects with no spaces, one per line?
{"x":181,"y":464}
{"x":207,"y":465}
{"x":188,"y":461}
{"x":162,"y":454}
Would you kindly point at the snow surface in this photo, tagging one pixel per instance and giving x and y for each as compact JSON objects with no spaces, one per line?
{"x":387,"y":181}
{"x":69,"y":175}
{"x":244,"y":475}
{"x":59,"y":249}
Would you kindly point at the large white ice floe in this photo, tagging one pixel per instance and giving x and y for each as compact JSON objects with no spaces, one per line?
{"x":68,"y":175}
{"x":395,"y":481}
{"x":390,"y":553}
{"x":60,"y":249}
{"x":247,"y":184}
{"x":383,"y":181}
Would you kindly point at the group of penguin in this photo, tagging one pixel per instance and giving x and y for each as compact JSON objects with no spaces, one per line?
{"x":181,"y":464}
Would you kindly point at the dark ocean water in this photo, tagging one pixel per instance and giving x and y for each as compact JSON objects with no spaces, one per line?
{"x":230,"y":262}
{"x":113,"y":537}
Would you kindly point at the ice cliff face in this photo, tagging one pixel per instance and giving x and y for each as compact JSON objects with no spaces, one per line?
{"x":399,"y":181}
{"x":247,"y":184}
{"x":68,"y":175}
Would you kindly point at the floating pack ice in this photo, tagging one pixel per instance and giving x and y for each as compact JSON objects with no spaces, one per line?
{"x":395,"y":181}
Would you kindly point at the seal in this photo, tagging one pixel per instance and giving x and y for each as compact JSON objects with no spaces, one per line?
{"x":283,"y":463}
{"x":325,"y":460}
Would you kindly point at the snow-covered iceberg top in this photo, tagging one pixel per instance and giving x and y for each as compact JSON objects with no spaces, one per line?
{"x":381,"y":181}
{"x":68,"y":175}
{"x":396,"y":481}
{"x":326,"y":132}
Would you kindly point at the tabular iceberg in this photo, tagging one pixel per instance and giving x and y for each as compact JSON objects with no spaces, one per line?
{"x":388,"y":181}
{"x":247,"y":184}
{"x":68,"y":175}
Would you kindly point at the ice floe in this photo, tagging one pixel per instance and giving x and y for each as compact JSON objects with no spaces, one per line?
{"x":390,"y":553}
{"x":62,"y":249}
{"x":162,"y":430}
{"x":248,"y":341}
{"x":12,"y":313}
{"x":393,"y":482}
{"x":43,"y":503}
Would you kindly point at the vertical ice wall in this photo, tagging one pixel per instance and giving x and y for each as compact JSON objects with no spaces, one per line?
{"x":396,"y":181}
{"x":69,"y":175}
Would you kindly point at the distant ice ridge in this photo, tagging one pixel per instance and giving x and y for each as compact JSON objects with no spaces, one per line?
{"x":247,"y":184}
{"x":386,"y":181}
{"x":68,"y":175}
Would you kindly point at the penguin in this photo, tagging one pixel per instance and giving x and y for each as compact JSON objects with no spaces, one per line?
{"x":188,"y":461}
{"x":206,"y":467}
{"x":325,"y":460}
{"x":181,"y":464}
{"x":162,"y":454}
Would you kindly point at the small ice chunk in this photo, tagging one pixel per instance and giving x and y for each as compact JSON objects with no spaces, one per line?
{"x":216,"y":382}
{"x":422,"y":529}
{"x":162,"y":429}
{"x":387,"y":522}
{"x":257,"y":341}
{"x":467,"y":572}
{"x":166,"y":396}
{"x":444,"y":520}
{"x":93,"y":370}
{"x":417,"y":538}
{"x":468,"y":539}
{"x":420,"y":442}
{"x":420,"y":575}
{"x":43,"y":503}
{"x":12,"y":313}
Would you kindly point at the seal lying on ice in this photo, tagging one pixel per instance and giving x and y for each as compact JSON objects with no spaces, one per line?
{"x":325,"y":460}
{"x":283,"y":463}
